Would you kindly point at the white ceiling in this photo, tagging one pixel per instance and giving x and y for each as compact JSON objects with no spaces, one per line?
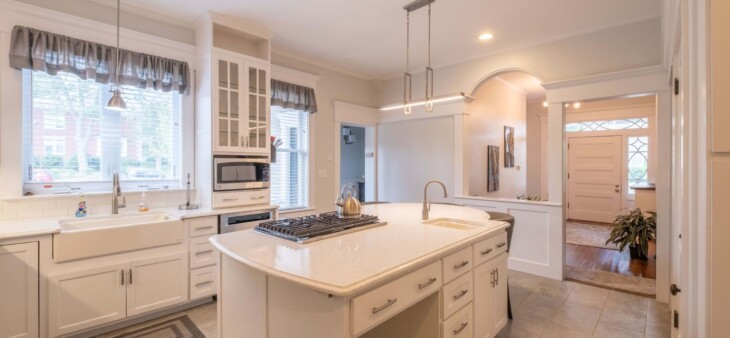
{"x":367,"y":37}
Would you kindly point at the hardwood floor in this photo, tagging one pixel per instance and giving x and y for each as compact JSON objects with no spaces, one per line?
{"x":592,"y":258}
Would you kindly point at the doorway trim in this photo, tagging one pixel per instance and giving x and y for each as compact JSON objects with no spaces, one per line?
{"x":647,"y":80}
{"x":360,"y":116}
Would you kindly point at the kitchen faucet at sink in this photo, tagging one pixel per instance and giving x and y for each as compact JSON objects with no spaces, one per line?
{"x":426,"y":202}
{"x":116,"y":193}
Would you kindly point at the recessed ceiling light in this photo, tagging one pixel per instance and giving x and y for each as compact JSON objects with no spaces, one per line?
{"x":486,"y":36}
{"x":544,"y":103}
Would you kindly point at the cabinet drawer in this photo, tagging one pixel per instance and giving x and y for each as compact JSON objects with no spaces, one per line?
{"x":203,"y":282}
{"x":202,"y":253}
{"x":457,"y":294}
{"x":377,"y":305}
{"x":490,"y":248}
{"x":457,"y":264}
{"x":240,"y":198}
{"x":204,"y":226}
{"x":459,"y":325}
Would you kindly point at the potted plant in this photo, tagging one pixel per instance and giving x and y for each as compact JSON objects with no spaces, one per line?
{"x":635,"y":230}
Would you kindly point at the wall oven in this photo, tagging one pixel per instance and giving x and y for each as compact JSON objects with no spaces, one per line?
{"x":240,"y":173}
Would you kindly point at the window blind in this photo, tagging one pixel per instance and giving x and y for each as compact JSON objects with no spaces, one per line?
{"x":290,"y":173}
{"x":71,"y":138}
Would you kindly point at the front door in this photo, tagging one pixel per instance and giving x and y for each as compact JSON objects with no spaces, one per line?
{"x":594,"y":178}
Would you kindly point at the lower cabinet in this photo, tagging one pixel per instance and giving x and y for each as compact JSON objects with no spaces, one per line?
{"x":88,"y":298}
{"x":490,"y":297}
{"x":19,"y":290}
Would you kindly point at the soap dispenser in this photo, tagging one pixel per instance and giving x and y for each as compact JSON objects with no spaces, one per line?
{"x":143,"y":203}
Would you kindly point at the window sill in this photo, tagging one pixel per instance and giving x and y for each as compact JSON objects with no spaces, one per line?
{"x":94,"y":193}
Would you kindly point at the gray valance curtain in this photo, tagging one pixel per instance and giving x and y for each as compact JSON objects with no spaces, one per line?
{"x":50,"y":53}
{"x":291,"y":96}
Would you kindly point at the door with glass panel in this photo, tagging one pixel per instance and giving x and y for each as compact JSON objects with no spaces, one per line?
{"x":256,"y":133}
{"x":228,"y":118}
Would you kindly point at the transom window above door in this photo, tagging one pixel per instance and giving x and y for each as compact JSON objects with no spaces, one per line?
{"x":620,"y":124}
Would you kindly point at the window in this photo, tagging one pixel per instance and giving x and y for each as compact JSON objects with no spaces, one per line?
{"x":95,"y":142}
{"x":638,"y":161}
{"x":622,"y":124}
{"x":290,"y":173}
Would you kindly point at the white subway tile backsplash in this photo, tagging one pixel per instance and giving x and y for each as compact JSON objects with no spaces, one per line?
{"x":30,"y":213}
{"x":57,"y":212}
{"x":8,"y":215}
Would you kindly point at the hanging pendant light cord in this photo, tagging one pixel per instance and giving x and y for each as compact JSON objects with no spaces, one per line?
{"x":116,"y":80}
{"x":408,"y":39}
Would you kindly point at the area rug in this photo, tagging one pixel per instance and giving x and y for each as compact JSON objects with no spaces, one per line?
{"x":632,"y":284}
{"x":588,"y":234}
{"x":179,"y":327}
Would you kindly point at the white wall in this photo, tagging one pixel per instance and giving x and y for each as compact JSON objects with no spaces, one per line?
{"x":535,"y":145}
{"x":332,"y":86}
{"x":496,"y":105}
{"x":413,"y":152}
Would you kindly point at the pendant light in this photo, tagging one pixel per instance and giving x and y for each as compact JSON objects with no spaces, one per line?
{"x":407,"y":99}
{"x":116,"y":102}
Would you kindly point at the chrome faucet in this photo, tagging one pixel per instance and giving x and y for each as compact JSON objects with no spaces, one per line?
{"x":116,"y":193}
{"x":427,"y":201}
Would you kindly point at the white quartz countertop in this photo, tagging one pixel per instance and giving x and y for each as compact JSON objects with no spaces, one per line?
{"x":349,"y":264}
{"x":44,"y":226}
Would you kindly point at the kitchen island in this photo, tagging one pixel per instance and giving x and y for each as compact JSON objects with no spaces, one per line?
{"x":409,"y":278}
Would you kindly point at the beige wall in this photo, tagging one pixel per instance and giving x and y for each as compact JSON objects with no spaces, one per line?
{"x":534,"y":148}
{"x":719,"y":296}
{"x":495,"y":106}
{"x":332,"y":86}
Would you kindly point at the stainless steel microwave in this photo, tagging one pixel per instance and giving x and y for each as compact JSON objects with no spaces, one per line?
{"x":240,"y":173}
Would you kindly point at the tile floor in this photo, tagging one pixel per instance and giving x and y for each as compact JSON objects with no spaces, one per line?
{"x":541,"y":308}
{"x":549,"y":308}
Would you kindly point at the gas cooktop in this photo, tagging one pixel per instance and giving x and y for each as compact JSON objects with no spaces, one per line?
{"x":312,"y":228}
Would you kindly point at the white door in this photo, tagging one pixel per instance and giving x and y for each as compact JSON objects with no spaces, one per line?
{"x":499,"y":294}
{"x":19,"y":290}
{"x":156,"y":283}
{"x":594,"y":178}
{"x":84,"y":299}
{"x":680,"y":201}
{"x":483,"y":283}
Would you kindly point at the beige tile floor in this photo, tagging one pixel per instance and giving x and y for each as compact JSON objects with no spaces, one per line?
{"x":541,"y":308}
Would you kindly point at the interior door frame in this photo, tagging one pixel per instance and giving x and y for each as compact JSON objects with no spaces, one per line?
{"x":358,"y":116}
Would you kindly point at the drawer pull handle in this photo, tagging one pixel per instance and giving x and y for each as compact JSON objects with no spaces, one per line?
{"x":497,"y":279}
{"x":203,"y":252}
{"x":492,"y":277}
{"x":203,"y":283}
{"x":258,"y":197}
{"x":230,"y":199}
{"x":385,"y":306}
{"x":501,"y":245}
{"x":461,"y":265}
{"x":486,"y":252}
{"x":203,"y":228}
{"x":424,"y":285}
{"x":461,"y":328}
{"x":461,"y":294}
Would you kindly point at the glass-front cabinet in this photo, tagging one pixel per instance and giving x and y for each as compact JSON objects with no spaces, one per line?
{"x":240,"y":104}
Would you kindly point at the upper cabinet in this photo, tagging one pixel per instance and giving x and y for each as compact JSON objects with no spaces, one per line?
{"x":237,"y":91}
{"x":240,"y":103}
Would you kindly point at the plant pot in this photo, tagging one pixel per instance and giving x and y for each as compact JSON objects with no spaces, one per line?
{"x":635,"y":253}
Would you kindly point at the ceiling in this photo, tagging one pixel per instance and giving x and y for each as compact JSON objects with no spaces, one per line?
{"x":367,"y":38}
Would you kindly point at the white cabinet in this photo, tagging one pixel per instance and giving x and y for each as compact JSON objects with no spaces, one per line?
{"x":203,"y":257}
{"x":91,"y":297}
{"x":490,"y":297}
{"x":156,"y":283}
{"x":19,"y":290}
{"x":241,"y":113}
{"x":87,"y":298}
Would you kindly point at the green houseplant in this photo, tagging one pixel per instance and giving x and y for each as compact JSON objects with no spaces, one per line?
{"x":635,"y":230}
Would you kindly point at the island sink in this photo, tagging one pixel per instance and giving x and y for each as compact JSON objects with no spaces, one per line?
{"x":453,"y":223}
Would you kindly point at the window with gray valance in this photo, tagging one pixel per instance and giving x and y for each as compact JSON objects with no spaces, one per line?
{"x":292,"y":96}
{"x":50,"y":53}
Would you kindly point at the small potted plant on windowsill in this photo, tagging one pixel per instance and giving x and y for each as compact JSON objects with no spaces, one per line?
{"x":635,"y":230}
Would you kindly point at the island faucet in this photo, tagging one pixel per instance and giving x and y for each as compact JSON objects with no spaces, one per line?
{"x":427,"y":202}
{"x":116,"y":193}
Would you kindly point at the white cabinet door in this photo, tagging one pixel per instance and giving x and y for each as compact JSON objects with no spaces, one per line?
{"x":84,"y":299}
{"x":19,"y":290}
{"x":256,"y":133}
{"x":156,"y":283}
{"x":229,"y":117}
{"x":499,"y":294}
{"x":483,"y":283}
